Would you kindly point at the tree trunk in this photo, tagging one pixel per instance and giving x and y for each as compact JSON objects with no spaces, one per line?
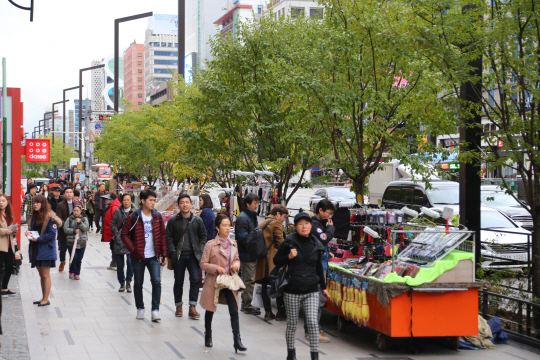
{"x":359,"y":188}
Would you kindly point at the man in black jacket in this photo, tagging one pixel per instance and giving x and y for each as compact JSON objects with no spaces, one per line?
{"x":323,"y":229}
{"x":186,"y":238}
{"x":56,"y":198}
{"x":246,"y":222}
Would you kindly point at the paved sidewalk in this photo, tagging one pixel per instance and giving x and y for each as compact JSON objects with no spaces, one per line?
{"x":14,"y":340}
{"x":90,"y":319}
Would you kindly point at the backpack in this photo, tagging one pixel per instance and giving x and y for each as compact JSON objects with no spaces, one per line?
{"x":255,"y":243}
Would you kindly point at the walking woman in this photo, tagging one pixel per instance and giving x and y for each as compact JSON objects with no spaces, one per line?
{"x":44,"y":190}
{"x":90,"y":207}
{"x":302,"y":252}
{"x":119,"y":249}
{"x":220,"y":256}
{"x":77,"y":223}
{"x":7,"y":245}
{"x":207,"y":215}
{"x":42,"y":250}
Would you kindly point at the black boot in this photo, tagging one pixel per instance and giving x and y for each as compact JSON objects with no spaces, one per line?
{"x":291,"y":354}
{"x":208,"y":338}
{"x":238,"y":343}
{"x":314,"y":356}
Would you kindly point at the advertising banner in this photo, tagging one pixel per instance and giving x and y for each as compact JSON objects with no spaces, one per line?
{"x":164,"y":24}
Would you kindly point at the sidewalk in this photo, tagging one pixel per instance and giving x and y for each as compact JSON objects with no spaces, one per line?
{"x":90,"y":319}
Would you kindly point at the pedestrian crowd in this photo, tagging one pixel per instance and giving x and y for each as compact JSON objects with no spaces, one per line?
{"x":61,"y":215}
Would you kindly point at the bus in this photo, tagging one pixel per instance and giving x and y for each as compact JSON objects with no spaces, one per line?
{"x":103,"y":172}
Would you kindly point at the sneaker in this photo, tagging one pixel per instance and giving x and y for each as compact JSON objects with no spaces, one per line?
{"x":72,"y":276}
{"x":322,"y":338}
{"x":62,"y":265}
{"x":179,"y":312}
{"x":155,"y":316}
{"x":140,"y":314}
{"x":4,"y":294}
{"x":122,"y":287}
{"x":193,"y":314}
{"x":128,"y":286}
{"x":77,"y":277}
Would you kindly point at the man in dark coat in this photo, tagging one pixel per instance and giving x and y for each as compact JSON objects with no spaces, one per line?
{"x":64,"y":210}
{"x":56,"y":198}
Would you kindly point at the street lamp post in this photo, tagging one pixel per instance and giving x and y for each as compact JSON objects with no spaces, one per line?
{"x":56,"y":103}
{"x":45,"y":119}
{"x":117,"y":50}
{"x":64,"y":112}
{"x":80,"y":99}
{"x":181,"y":36}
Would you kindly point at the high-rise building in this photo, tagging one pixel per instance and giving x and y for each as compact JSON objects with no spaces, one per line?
{"x":86,"y":106}
{"x":161,"y":51}
{"x":98,"y":80}
{"x":134,"y":74}
{"x":70,"y":127}
{"x":237,"y":11}
{"x":294,"y":8}
{"x":107,"y":93}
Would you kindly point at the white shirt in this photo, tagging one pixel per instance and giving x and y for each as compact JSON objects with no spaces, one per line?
{"x":149,"y":250}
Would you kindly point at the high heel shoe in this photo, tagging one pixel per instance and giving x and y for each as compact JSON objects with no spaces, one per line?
{"x":238,"y":343}
{"x":208,"y":338}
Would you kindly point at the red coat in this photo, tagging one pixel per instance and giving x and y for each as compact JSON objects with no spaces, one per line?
{"x":107,"y":233}
{"x":133,"y":235}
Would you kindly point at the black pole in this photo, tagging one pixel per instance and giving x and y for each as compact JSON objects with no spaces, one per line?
{"x":56,"y":103}
{"x":117,"y":51}
{"x":80,"y":100}
{"x":64,"y":114}
{"x":181,"y":36}
{"x":470,"y":134}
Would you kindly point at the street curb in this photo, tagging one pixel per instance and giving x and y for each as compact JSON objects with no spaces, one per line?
{"x":35,"y":347}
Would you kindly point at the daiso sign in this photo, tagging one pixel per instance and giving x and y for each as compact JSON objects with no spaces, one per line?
{"x":38,"y":150}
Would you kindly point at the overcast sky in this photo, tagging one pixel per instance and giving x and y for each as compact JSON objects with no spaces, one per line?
{"x":44,"y":56}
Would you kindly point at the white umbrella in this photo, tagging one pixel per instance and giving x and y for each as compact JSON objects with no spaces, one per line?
{"x":74,"y":248}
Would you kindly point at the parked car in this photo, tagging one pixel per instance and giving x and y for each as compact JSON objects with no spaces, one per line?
{"x":504,"y":242}
{"x":338,"y":195}
{"x":509,"y":206}
{"x":496,"y":188}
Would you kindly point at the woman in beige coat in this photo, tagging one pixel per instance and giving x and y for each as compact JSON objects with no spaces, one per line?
{"x":7,"y":245}
{"x":220,"y":256}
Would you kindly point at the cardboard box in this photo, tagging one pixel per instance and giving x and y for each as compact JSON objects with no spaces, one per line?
{"x":463,"y":272}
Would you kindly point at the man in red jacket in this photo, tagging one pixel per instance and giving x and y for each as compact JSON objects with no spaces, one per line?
{"x":112,"y":204}
{"x":143,"y":234}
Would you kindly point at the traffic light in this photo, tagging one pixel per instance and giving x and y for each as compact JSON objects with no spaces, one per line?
{"x":105,"y":117}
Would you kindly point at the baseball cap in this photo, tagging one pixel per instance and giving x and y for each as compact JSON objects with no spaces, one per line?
{"x":223,"y":195}
{"x":301,"y":216}
{"x":107,"y":196}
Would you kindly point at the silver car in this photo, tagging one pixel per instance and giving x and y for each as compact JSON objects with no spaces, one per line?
{"x":338,"y":195}
{"x":509,"y":206}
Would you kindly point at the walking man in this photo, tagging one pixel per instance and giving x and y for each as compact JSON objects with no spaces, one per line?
{"x":246,"y":223}
{"x":29,"y":201}
{"x":186,"y":238}
{"x":100,"y":206}
{"x":64,"y":210}
{"x":56,"y":198}
{"x":143,"y":234}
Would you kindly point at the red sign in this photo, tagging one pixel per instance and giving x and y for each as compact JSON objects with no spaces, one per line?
{"x":38,"y":150}
{"x":501,"y":143}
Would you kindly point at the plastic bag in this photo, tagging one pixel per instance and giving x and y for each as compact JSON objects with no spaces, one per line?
{"x":257,"y":297}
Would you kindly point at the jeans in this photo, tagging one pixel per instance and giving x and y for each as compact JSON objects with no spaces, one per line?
{"x":248,"y":274}
{"x":153,"y":266}
{"x":97,"y":218}
{"x":62,"y":246}
{"x":267,"y":301}
{"x":75,"y":266}
{"x":120,"y":268}
{"x":189,"y":262}
{"x":233,"y":312}
{"x":7,"y":260}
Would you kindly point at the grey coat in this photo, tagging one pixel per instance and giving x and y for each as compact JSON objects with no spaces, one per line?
{"x":117,"y":222}
{"x":69,"y":228}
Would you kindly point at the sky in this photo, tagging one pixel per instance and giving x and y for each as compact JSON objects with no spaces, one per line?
{"x":44,"y":56}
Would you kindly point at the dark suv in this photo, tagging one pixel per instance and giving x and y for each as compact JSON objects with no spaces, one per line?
{"x":415,"y":195}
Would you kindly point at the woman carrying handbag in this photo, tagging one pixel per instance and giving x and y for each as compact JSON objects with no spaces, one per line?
{"x":220,"y":257}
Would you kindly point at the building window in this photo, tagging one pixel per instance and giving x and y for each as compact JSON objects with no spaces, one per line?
{"x":139,"y":96}
{"x":156,"y":44}
{"x":139,"y":79}
{"x":163,"y":44}
{"x":139,"y":71}
{"x":169,"y":44}
{"x":166,"y":62}
{"x":139,"y":63}
{"x":165,"y":53}
{"x":259,"y":9}
{"x":162,"y":71}
{"x":139,"y":87}
{"x":297,"y":12}
{"x":175,"y":44}
{"x":140,"y":103}
{"x":316,"y":12}
{"x":139,"y":55}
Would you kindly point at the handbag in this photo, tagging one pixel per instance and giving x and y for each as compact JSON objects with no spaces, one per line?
{"x":170,"y":265}
{"x":279,"y":279}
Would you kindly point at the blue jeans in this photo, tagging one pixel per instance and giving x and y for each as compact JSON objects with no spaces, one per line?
{"x":190,"y":263}
{"x":62,"y":246}
{"x":75,"y":266}
{"x":153,"y":266}
{"x":120,"y":268}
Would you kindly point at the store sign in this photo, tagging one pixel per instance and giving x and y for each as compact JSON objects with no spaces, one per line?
{"x":190,"y":64}
{"x":454,"y":166}
{"x":105,"y":117}
{"x":38,"y":150}
{"x":500,"y":144}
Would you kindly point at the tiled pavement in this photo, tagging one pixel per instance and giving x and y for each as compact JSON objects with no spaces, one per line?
{"x":90,"y":319}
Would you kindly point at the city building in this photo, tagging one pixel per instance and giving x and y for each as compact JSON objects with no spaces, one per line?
{"x":70,"y":127}
{"x":160,"y":51}
{"x":239,"y":11}
{"x":107,"y":94}
{"x":294,"y":8}
{"x":134,"y":74}
{"x":160,"y":94}
{"x":86,"y":106}
{"x":98,"y":81}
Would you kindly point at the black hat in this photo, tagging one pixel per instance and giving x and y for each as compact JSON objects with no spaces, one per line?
{"x":301,"y":216}
{"x":107,"y":196}
{"x":56,"y":188}
{"x":32,"y":186}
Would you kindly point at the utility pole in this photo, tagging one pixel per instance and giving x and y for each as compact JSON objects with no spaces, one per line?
{"x":4,"y":125}
{"x":181,"y":37}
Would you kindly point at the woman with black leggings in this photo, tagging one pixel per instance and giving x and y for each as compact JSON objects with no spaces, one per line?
{"x":7,"y":254}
